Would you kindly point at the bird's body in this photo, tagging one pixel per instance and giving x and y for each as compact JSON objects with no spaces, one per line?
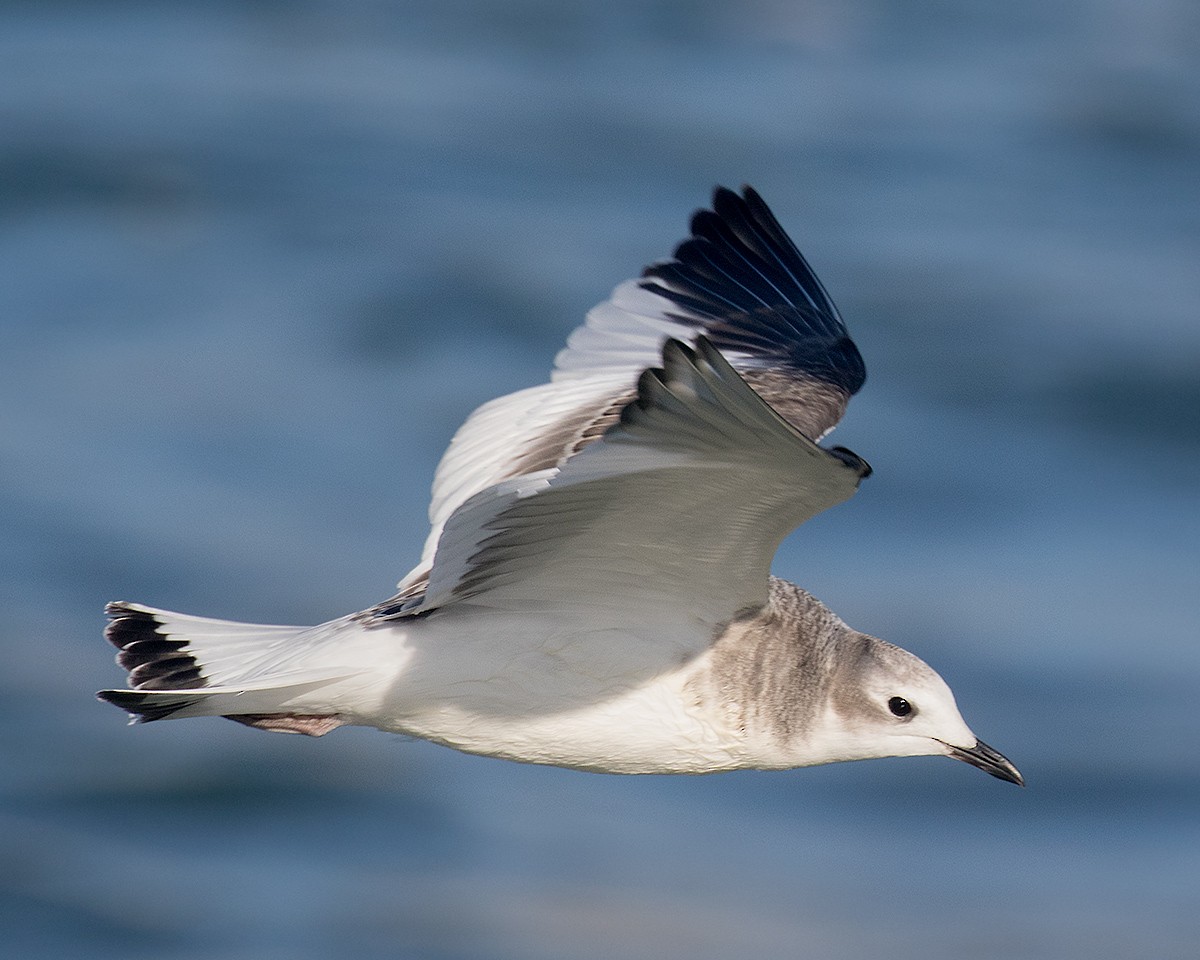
{"x":595,"y":589}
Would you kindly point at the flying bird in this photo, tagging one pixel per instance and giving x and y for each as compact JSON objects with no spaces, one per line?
{"x":595,"y":591}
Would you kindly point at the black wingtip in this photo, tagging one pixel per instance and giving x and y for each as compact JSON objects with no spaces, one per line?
{"x":741,"y":279}
{"x":853,"y":461}
{"x":724,"y":194}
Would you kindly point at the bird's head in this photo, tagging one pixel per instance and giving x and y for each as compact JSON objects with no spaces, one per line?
{"x":889,"y":703}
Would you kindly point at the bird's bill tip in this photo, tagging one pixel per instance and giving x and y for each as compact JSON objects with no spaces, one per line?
{"x":988,"y":760}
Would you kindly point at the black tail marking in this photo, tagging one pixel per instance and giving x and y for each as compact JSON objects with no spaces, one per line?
{"x":178,"y":672}
{"x":144,"y":707}
{"x":154,"y":661}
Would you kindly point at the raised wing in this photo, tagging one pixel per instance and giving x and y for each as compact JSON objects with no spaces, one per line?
{"x":738,"y":281}
{"x":675,"y":513}
{"x":512,"y":436}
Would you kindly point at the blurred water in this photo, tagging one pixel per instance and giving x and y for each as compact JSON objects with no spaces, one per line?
{"x":261,"y":261}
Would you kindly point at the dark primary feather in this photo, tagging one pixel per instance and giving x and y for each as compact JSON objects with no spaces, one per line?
{"x":741,"y":281}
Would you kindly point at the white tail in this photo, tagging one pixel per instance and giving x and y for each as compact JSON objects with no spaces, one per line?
{"x":184,"y":666}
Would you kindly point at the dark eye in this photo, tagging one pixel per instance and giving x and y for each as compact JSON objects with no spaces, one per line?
{"x":900,"y":707}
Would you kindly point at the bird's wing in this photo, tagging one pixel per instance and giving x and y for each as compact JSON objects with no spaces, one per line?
{"x":515,"y":435}
{"x":675,"y":513}
{"x":738,"y":280}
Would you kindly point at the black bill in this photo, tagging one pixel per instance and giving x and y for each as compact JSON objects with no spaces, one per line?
{"x":989,"y":761}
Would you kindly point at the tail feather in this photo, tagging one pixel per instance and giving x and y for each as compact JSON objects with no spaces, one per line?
{"x":184,"y":666}
{"x":163,"y":644}
{"x":144,"y":707}
{"x":155,"y":661}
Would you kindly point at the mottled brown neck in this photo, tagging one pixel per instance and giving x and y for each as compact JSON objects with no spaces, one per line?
{"x":771,"y":670}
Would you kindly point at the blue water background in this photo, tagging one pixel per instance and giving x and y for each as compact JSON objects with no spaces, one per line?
{"x":259,"y":261}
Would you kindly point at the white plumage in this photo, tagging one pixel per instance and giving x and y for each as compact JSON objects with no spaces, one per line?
{"x":595,"y":590}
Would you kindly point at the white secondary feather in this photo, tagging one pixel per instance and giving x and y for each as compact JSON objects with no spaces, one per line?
{"x":507,"y":437}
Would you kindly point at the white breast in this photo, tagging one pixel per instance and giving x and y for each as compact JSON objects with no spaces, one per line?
{"x":533,"y":689}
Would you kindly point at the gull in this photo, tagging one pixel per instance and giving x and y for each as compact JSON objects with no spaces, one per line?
{"x":595,"y":591}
